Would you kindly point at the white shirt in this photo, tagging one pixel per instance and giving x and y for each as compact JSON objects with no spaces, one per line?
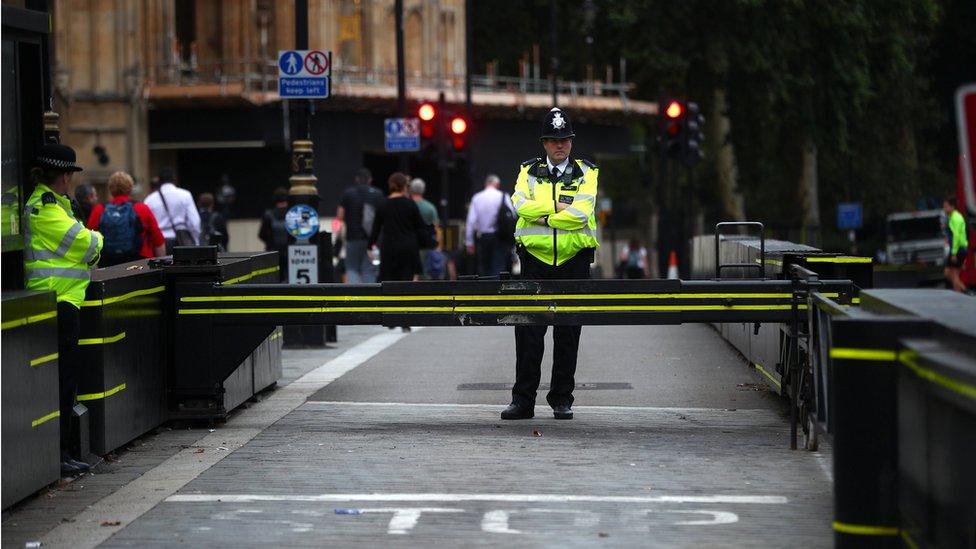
{"x":483,"y":213}
{"x":180,"y":203}
{"x":561,"y":166}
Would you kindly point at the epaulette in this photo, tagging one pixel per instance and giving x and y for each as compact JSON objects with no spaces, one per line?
{"x":531,"y":161}
{"x":48,"y":198}
{"x":589,"y":164}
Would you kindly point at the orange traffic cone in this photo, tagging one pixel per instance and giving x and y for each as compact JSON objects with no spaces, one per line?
{"x":673,"y":265}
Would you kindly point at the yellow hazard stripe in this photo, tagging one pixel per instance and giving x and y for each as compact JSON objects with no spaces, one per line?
{"x":846,"y":259}
{"x":251,"y":275}
{"x":849,"y":353}
{"x":101,"y":340}
{"x":478,"y":309}
{"x":46,"y":418}
{"x":865,"y":530}
{"x":123,"y":297}
{"x":106,"y":394}
{"x":28,"y":320}
{"x":275,"y":336}
{"x":42,"y":359}
{"x":769,"y":261}
{"x":855,"y":300}
{"x":908,"y":358}
{"x":767,"y":374}
{"x":493,"y":297}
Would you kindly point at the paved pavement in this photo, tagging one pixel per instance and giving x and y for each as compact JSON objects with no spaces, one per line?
{"x":397,"y":441}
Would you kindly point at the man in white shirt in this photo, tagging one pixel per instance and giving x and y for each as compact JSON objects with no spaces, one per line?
{"x":480,"y":233}
{"x":174,"y":210}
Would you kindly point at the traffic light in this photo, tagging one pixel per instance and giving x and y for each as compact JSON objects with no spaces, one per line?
{"x":694,"y":134}
{"x":672,"y":128}
{"x":427,"y":113}
{"x":458,"y":133}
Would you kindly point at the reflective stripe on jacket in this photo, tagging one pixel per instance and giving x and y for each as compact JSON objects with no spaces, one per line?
{"x":568,"y":231}
{"x":58,"y":250}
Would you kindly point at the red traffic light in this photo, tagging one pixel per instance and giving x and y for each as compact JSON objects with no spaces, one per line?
{"x":426,"y":112}
{"x":673,"y":129}
{"x":458,"y":125}
{"x":458,"y":142}
{"x":674,"y":110}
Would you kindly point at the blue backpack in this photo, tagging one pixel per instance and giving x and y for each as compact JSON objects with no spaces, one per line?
{"x":121,"y":230}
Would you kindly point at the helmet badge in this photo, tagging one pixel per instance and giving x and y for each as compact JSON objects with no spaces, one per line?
{"x":558,"y":121}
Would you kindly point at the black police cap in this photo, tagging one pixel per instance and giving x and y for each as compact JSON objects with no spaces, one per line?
{"x":557,"y":125}
{"x":55,"y":156}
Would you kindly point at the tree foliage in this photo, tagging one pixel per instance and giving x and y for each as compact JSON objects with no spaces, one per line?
{"x":868,"y":82}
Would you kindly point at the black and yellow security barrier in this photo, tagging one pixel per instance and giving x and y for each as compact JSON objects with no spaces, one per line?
{"x":30,"y":417}
{"x":903,"y":408}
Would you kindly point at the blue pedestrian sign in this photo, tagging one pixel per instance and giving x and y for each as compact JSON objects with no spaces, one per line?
{"x":849,"y":216}
{"x":401,"y":134}
{"x":304,"y":74}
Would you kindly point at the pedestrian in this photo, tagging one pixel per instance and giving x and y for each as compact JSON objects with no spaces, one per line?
{"x":633,"y":260}
{"x":226,"y":197}
{"x":555,"y":234}
{"x":273,"y":232}
{"x":85,"y":199}
{"x":481,"y":228}
{"x":357,"y":209}
{"x":958,"y":244}
{"x":213,"y":224}
{"x":175,"y":212}
{"x":396,"y":228}
{"x":129,"y":228}
{"x":433,"y":260}
{"x":59,"y":253}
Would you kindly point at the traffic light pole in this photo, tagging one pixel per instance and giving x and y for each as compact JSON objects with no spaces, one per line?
{"x":401,"y":77}
{"x":441,"y":136}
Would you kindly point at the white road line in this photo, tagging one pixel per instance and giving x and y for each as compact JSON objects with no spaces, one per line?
{"x":499,"y":406}
{"x":139,"y":496}
{"x":456,"y":498}
{"x":825,"y":465}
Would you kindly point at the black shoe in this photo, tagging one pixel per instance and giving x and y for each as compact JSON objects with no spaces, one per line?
{"x":518,"y":412}
{"x":70,"y":470}
{"x":564,"y":411}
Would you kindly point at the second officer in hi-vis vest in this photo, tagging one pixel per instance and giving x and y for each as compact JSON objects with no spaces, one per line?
{"x":556,"y":237}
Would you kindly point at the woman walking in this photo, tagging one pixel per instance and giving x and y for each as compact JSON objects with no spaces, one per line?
{"x":396,"y":228}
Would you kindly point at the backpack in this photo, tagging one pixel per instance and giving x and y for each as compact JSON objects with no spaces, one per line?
{"x":121,"y":231}
{"x":505,"y":223}
{"x":208,"y":233}
{"x":634,"y":259}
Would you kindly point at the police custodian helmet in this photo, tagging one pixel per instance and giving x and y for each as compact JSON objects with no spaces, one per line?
{"x":556,"y":125}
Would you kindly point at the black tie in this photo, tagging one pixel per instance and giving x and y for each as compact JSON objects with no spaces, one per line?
{"x":555,"y":173}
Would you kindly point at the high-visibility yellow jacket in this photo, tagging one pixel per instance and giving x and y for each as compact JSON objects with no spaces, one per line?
{"x":58,"y":249}
{"x":536,"y":195}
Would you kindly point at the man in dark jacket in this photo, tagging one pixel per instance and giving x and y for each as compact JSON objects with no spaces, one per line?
{"x":273,"y":232}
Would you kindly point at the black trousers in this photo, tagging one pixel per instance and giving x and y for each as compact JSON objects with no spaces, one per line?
{"x":69,"y":368}
{"x":530,"y":340}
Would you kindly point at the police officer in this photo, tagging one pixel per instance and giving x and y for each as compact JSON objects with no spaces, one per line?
{"x":556,"y":237}
{"x":58,"y":255}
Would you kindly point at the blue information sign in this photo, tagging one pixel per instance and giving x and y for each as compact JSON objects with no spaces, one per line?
{"x":401,"y":134}
{"x":304,"y":74}
{"x":302,"y":221}
{"x":849,"y":216}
